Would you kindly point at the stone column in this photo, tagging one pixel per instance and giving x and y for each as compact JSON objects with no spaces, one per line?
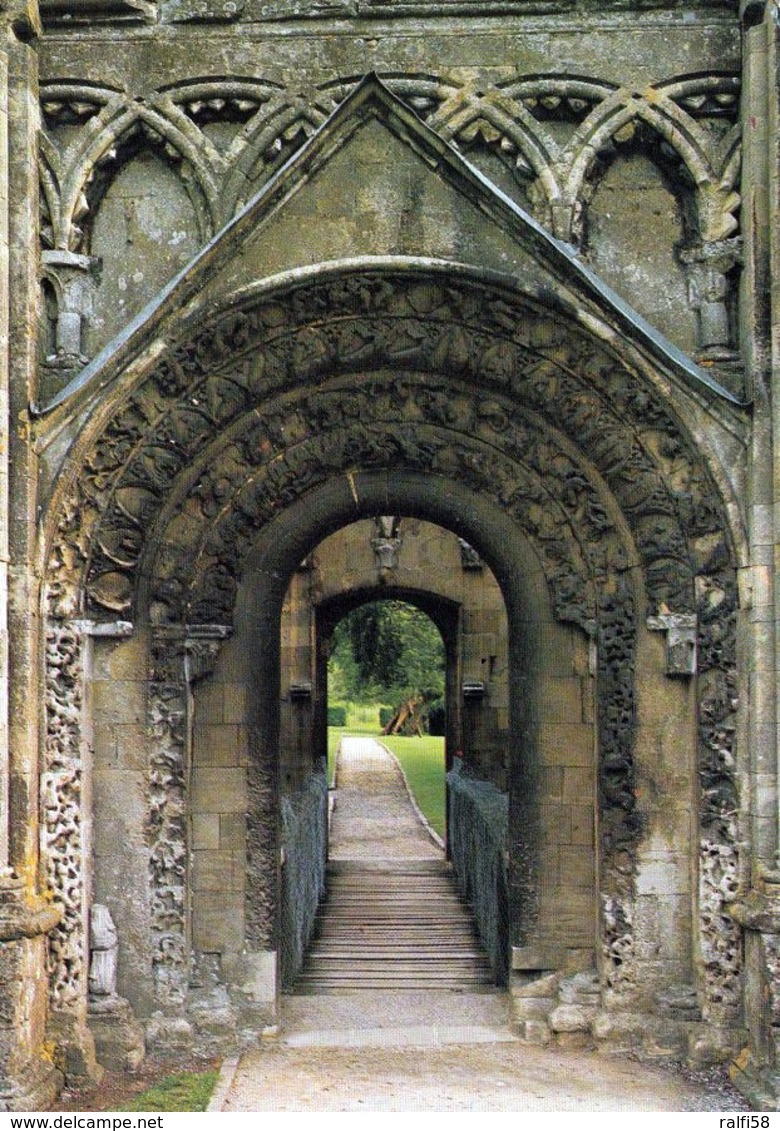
{"x":756,"y":910}
{"x":72,"y":278}
{"x":65,"y":840}
{"x":28,"y":1078}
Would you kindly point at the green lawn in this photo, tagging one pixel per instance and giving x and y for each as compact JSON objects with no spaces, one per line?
{"x":422,"y":760}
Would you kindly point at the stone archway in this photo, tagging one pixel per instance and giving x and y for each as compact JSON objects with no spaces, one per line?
{"x":288,"y":413}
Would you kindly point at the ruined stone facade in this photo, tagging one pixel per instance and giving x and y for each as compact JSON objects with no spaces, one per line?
{"x":503,"y":269}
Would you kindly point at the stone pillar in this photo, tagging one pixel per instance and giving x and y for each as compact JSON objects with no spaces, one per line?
{"x":757,"y":1069}
{"x":757,"y":910}
{"x":29,"y":1079}
{"x":65,"y":842}
{"x":167,"y":828}
{"x":181,"y":655}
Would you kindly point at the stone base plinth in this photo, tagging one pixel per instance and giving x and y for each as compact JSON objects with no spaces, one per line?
{"x":119,"y":1039}
{"x":75,"y":1050}
{"x":34,"y":1087}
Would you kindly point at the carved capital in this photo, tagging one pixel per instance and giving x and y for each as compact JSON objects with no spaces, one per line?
{"x":202,"y":645}
{"x":72,"y":277}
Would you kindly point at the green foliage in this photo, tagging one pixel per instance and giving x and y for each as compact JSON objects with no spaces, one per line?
{"x":337,"y":716}
{"x":185,"y":1091}
{"x":386,"y":651}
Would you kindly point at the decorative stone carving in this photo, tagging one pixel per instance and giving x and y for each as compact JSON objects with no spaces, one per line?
{"x":709,"y":267}
{"x":62,"y":822}
{"x":510,"y":118}
{"x":119,"y":1039}
{"x":272,"y":421}
{"x":72,"y":278}
{"x":617,"y":796}
{"x":104,"y":949}
{"x":386,"y":544}
{"x":180,"y":657}
{"x":166,"y":822}
{"x":469,"y":558}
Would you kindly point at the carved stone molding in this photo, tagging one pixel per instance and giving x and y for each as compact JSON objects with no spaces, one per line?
{"x":514,"y":119}
{"x":167,"y":818}
{"x":62,"y":817}
{"x":181,"y":655}
{"x":709,"y":267}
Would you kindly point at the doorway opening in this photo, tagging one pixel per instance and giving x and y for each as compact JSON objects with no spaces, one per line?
{"x":396,"y":624}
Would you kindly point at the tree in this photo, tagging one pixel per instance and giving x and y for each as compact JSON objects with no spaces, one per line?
{"x":387,"y":651}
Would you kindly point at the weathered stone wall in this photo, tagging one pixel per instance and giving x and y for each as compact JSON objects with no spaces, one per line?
{"x":621,"y":132}
{"x":218,"y":807}
{"x":145,"y":164}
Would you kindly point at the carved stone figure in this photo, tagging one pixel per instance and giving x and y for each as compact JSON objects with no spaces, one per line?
{"x":104,"y":950}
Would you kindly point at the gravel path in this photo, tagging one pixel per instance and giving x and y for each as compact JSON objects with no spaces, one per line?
{"x":373,"y":818}
{"x":431,"y":1051}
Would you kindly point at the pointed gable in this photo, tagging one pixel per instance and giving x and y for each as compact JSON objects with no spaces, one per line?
{"x":375,"y":184}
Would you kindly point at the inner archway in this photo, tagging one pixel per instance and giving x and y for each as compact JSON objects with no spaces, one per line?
{"x":425,"y":571}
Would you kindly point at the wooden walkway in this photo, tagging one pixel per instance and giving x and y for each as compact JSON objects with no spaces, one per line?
{"x":391,"y":918}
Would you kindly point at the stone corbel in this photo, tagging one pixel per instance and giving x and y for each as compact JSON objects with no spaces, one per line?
{"x":707,"y":266}
{"x":681,"y":648}
{"x":386,"y":544}
{"x":469,"y":557}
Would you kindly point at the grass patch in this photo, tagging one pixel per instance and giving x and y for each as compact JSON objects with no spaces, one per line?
{"x":184,"y":1091}
{"x":423,"y":763}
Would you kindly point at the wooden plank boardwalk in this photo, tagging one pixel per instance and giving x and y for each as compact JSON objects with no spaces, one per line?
{"x":392,"y":917}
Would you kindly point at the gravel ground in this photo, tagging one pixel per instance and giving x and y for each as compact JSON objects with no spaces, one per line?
{"x":487,"y":1078}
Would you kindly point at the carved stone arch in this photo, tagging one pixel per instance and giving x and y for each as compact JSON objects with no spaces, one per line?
{"x":317,"y":510}
{"x":491,"y":119}
{"x":153,"y":449}
{"x":96,"y":151}
{"x":269,"y":139}
{"x":549,"y":368}
{"x":49,"y":180}
{"x":614,"y":120}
